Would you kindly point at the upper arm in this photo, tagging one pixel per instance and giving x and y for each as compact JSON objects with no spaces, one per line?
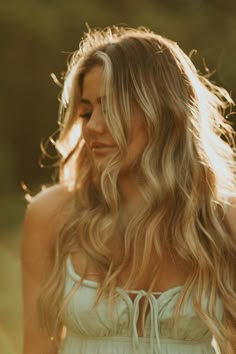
{"x":38,"y":239}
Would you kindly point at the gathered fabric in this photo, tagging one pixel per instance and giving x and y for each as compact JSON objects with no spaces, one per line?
{"x":91,"y":331}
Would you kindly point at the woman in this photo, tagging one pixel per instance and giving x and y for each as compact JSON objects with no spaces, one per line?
{"x":134,"y":251}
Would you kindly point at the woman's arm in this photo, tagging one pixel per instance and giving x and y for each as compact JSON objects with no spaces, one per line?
{"x":38,"y":240}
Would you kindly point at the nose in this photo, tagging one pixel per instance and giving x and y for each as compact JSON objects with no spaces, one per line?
{"x":96,"y":123}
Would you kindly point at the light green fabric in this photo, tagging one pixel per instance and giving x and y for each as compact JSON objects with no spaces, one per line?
{"x":92,"y":331}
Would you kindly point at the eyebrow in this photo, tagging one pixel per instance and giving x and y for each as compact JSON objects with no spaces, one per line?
{"x":86,"y":101}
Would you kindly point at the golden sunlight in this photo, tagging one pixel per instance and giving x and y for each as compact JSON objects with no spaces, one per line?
{"x":71,"y":140}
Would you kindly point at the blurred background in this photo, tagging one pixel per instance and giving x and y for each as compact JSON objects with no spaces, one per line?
{"x":36,"y":37}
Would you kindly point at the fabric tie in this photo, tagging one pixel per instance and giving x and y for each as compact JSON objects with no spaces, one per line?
{"x":155,"y":345}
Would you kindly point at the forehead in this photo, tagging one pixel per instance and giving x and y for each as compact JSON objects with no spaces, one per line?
{"x":92,"y":86}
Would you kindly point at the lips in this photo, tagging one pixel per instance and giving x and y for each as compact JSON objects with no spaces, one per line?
{"x":101,"y":148}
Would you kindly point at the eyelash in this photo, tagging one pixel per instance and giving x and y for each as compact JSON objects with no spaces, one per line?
{"x":85,"y":115}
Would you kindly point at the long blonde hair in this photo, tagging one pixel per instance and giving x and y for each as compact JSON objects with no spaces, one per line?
{"x":186,"y":175}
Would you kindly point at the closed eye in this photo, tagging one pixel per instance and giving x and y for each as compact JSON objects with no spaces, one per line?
{"x":86,"y":115}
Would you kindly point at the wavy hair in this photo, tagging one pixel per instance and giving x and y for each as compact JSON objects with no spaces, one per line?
{"x":186,"y":176}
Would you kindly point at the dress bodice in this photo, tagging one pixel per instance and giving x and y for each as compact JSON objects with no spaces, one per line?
{"x":90,"y":330}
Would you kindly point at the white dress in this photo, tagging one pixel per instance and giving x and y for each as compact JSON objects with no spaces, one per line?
{"x":91,"y":331}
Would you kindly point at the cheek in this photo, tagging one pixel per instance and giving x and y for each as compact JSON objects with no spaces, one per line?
{"x":142,"y":142}
{"x":139,"y":137}
{"x":137,"y":146}
{"x":139,"y":133}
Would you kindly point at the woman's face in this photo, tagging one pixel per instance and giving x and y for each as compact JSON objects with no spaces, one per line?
{"x":98,"y":139}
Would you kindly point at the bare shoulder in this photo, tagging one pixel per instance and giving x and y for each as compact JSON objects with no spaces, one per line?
{"x":42,"y":218}
{"x":49,"y":200}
